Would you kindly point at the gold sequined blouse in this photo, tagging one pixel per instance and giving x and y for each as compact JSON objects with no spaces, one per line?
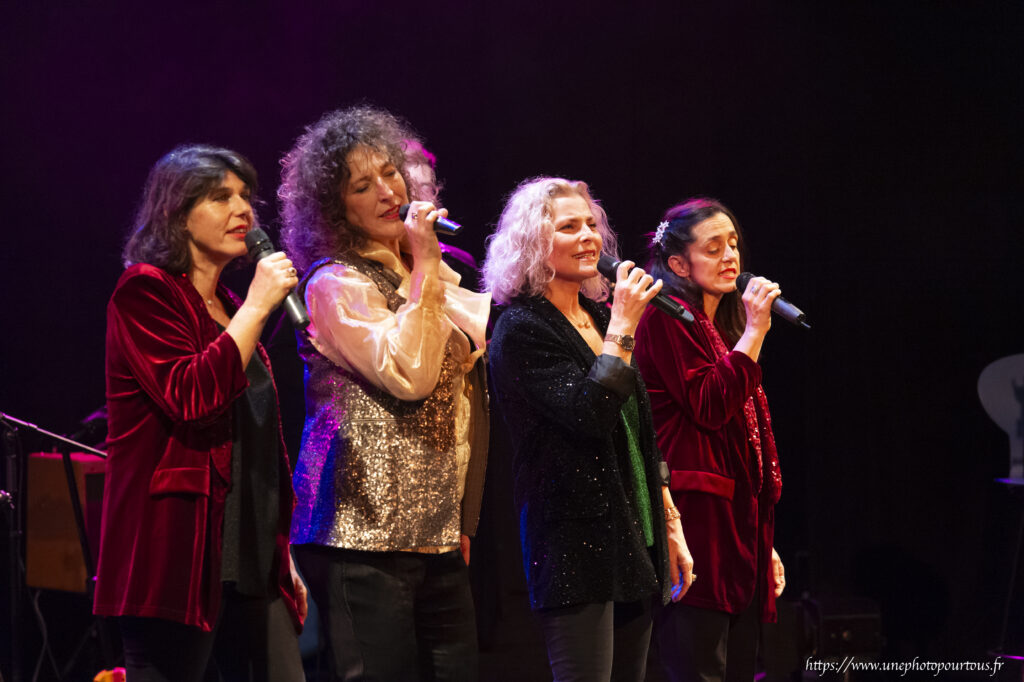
{"x":386,"y":445}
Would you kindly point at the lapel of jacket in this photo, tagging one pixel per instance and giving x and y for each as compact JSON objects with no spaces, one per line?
{"x":581,"y":351}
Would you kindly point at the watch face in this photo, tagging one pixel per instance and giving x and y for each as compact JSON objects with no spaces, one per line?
{"x":624,"y":340}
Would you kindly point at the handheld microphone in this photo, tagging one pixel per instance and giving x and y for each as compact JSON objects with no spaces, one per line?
{"x":260,"y":246}
{"x":607,"y":267}
{"x":780,"y":306}
{"x":441,"y":225}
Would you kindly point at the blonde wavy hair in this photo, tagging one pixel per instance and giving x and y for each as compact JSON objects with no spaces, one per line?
{"x":518,"y":251}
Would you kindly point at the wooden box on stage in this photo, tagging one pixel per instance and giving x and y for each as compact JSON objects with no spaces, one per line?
{"x":54,"y":555}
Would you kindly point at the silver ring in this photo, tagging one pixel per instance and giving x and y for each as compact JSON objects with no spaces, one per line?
{"x":291,"y":271}
{"x":755,"y":290}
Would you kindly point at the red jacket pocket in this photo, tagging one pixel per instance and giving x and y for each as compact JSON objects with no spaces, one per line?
{"x":180,"y":480}
{"x":703,"y":482}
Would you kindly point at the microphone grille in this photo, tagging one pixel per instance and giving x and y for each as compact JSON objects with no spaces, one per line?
{"x":742,"y":280}
{"x":607,"y":265}
{"x":256,"y":240}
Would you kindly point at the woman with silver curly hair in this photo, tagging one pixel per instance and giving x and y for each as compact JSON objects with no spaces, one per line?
{"x":600,"y":536}
{"x":390,"y":471}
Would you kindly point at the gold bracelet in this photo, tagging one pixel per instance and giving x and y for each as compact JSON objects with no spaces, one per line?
{"x":672,"y":514}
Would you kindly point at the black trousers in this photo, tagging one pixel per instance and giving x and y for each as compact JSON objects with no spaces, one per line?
{"x":254,"y":641}
{"x":393,"y":616}
{"x":704,"y":645}
{"x":598,"y":642}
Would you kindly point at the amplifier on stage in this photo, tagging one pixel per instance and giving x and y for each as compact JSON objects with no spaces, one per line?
{"x":846,"y":627}
{"x":827,"y":629}
{"x":54,"y":554}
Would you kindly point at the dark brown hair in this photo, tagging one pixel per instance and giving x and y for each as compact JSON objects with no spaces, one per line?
{"x":675,"y":240}
{"x":175,"y":184}
{"x":316,"y":170}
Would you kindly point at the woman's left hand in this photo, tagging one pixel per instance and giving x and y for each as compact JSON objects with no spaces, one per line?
{"x":680,"y":563}
{"x":778,"y":574}
{"x":301,"y":594}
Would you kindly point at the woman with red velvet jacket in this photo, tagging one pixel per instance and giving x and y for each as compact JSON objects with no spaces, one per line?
{"x":194,"y":553}
{"x":714,"y":431}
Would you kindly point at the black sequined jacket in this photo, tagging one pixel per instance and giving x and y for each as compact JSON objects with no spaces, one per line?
{"x":582,"y":542}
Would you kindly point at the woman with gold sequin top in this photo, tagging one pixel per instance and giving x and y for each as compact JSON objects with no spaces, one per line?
{"x":390,"y":471}
{"x":599,"y":534}
{"x":715,"y":431}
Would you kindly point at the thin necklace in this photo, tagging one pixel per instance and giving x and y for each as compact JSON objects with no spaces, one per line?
{"x":209,"y":301}
{"x":585,"y":324}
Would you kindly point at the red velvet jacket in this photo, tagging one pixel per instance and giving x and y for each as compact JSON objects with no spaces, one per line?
{"x":697,"y":400}
{"x":171,"y":379}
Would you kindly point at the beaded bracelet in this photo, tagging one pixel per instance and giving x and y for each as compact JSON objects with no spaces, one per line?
{"x":671,"y":514}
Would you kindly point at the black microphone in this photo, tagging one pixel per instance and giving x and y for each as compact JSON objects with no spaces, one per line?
{"x":607,"y":267}
{"x":441,"y":225}
{"x":260,"y":246}
{"x":780,"y":306}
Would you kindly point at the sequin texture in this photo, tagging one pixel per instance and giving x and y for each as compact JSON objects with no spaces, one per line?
{"x":581,"y":538}
{"x":376,"y":473}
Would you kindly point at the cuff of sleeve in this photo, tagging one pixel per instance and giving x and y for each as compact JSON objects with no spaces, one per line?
{"x":743,"y":362}
{"x":432,"y":293}
{"x":227,"y":343}
{"x":614,"y":374}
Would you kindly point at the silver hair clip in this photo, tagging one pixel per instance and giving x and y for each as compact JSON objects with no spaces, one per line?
{"x":659,"y":234}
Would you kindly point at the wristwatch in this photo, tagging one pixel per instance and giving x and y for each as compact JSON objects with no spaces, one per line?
{"x":625,"y":340}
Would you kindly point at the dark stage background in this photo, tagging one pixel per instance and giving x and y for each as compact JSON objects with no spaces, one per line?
{"x":872,"y":151}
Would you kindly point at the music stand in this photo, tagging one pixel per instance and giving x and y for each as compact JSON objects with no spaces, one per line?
{"x":13,"y":502}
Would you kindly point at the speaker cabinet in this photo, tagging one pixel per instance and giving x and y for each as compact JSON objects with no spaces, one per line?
{"x":53,"y":552}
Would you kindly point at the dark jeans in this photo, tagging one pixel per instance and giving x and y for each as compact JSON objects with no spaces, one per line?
{"x":393,"y":616}
{"x":598,"y":642}
{"x":254,"y":641}
{"x":703,"y":645}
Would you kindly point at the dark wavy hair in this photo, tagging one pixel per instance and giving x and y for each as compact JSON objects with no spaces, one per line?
{"x":315,"y":172}
{"x":730,"y":318}
{"x":175,"y":184}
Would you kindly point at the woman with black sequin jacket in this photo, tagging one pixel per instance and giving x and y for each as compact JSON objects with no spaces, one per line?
{"x":588,"y":476}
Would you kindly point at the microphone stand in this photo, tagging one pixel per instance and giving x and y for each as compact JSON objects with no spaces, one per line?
{"x":10,"y":503}
{"x":1009,"y":633}
{"x":12,"y":499}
